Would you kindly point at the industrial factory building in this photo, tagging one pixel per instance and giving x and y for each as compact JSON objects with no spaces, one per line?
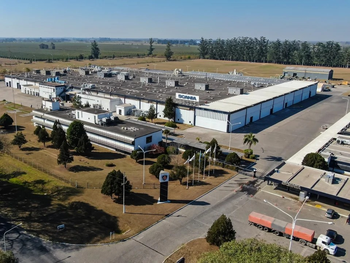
{"x":213,"y":101}
{"x":308,"y":73}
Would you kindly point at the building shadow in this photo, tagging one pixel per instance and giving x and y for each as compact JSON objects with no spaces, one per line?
{"x":83,"y":168}
{"x":106,"y":155}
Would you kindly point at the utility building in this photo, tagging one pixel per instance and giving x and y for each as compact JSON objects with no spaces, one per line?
{"x":308,"y":73}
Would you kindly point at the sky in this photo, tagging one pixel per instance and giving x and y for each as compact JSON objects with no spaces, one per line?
{"x":309,"y":20}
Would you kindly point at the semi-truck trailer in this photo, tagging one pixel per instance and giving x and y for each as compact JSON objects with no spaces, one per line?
{"x":304,"y":235}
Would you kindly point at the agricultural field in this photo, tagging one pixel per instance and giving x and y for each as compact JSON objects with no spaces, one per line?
{"x":70,"y":50}
{"x":42,"y":200}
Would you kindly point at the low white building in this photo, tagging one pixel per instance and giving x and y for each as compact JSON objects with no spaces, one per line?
{"x":104,"y":102}
{"x":50,"y":105}
{"x":30,"y":89}
{"x":91,"y":115}
{"x":124,"y":109}
{"x":50,"y":90}
{"x":121,"y":136}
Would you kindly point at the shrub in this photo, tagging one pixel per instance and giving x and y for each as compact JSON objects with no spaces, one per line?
{"x":164,"y":160}
{"x":248,"y":152}
{"x":315,"y":160}
{"x":233,"y":158}
{"x":170,"y":124}
{"x":155,"y":169}
{"x":110,"y":164}
{"x":142,"y":118}
{"x":221,"y":231}
{"x":171,"y":150}
{"x":252,"y":156}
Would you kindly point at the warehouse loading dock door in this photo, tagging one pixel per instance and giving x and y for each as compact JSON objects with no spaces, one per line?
{"x":271,"y":111}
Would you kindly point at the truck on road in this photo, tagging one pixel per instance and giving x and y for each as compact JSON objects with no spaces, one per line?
{"x":304,"y":235}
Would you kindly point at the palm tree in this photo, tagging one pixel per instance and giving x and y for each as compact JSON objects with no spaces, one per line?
{"x":250,"y":139}
{"x":166,"y":132}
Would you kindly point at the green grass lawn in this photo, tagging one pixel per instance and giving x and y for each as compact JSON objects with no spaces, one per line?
{"x":31,"y":50}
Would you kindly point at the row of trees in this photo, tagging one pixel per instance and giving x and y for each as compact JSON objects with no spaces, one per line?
{"x":284,"y":52}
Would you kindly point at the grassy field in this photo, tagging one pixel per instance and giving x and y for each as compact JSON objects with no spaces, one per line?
{"x":31,"y":50}
{"x":42,"y":202}
{"x":247,"y":68}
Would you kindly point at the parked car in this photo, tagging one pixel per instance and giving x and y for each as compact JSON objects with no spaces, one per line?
{"x":330,"y":213}
{"x":332,"y":234}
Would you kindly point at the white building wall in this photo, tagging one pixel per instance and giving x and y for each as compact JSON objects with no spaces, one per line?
{"x":159,"y":109}
{"x":211,"y":120}
{"x":145,"y":105}
{"x":313,"y":90}
{"x":288,"y":99}
{"x":184,"y":116}
{"x":306,"y":93}
{"x":253,"y":113}
{"x":278,"y":104}
{"x":297,"y":96}
{"x":112,"y":143}
{"x":156,"y":138}
{"x":266,"y":108}
{"x":134,"y":102}
{"x":235,"y":118}
{"x":91,"y":117}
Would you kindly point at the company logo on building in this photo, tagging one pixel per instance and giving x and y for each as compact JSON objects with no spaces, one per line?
{"x":187,"y":97}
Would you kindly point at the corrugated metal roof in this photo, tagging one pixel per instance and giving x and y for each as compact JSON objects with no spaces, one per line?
{"x":240,"y":102}
{"x":307,"y":70}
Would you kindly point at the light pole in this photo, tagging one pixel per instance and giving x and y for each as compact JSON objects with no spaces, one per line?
{"x":295,"y":219}
{"x":144,"y":156}
{"x":347,"y":105}
{"x":7,"y":232}
{"x":123,"y":184}
{"x":229,"y":145}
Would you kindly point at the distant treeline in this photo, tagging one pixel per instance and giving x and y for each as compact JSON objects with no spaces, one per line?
{"x":190,"y":42}
{"x":330,"y":53}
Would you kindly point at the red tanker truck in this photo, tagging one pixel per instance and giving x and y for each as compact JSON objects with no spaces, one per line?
{"x":304,"y":235}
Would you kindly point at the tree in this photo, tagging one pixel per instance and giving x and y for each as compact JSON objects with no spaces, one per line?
{"x":74,"y":133}
{"x":178,"y":173}
{"x":7,"y":257}
{"x":151,"y":113}
{"x":19,"y":139}
{"x":43,"y":136}
{"x":4,"y":145}
{"x":320,"y":256}
{"x":168,"y":52}
{"x":169,"y":109}
{"x":166,"y":132}
{"x":113,"y":184}
{"x":136,"y":155}
{"x":53,"y":46}
{"x":203,"y":48}
{"x":188,"y":154}
{"x":95,"y":50}
{"x":6,"y":120}
{"x":215,"y":148}
{"x":315,"y":160}
{"x":58,"y":137}
{"x":251,"y":251}
{"x":250,"y":140}
{"x":155,"y":169}
{"x":233,"y":158}
{"x":37,"y":130}
{"x":77,"y":102}
{"x":164,"y":160}
{"x":151,"y":48}
{"x":64,"y":155}
{"x":84,"y":146}
{"x":221,"y":231}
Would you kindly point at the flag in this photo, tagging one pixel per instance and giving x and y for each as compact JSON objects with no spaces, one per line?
{"x":209,"y":150}
{"x":215,"y":148}
{"x":194,"y":156}
{"x":188,"y":160}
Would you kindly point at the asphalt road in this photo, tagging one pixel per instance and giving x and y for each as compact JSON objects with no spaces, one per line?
{"x":280,"y":136}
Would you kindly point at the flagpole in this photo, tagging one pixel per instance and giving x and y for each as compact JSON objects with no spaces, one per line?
{"x":214,"y":161}
{"x":194,"y":160}
{"x":204,"y":167}
{"x":188,"y":165}
{"x":209,"y":164}
{"x":199,"y":164}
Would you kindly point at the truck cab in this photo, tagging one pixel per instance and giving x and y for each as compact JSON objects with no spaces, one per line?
{"x":325,"y":243}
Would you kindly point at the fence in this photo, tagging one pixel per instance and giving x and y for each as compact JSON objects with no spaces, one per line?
{"x":73,"y":183}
